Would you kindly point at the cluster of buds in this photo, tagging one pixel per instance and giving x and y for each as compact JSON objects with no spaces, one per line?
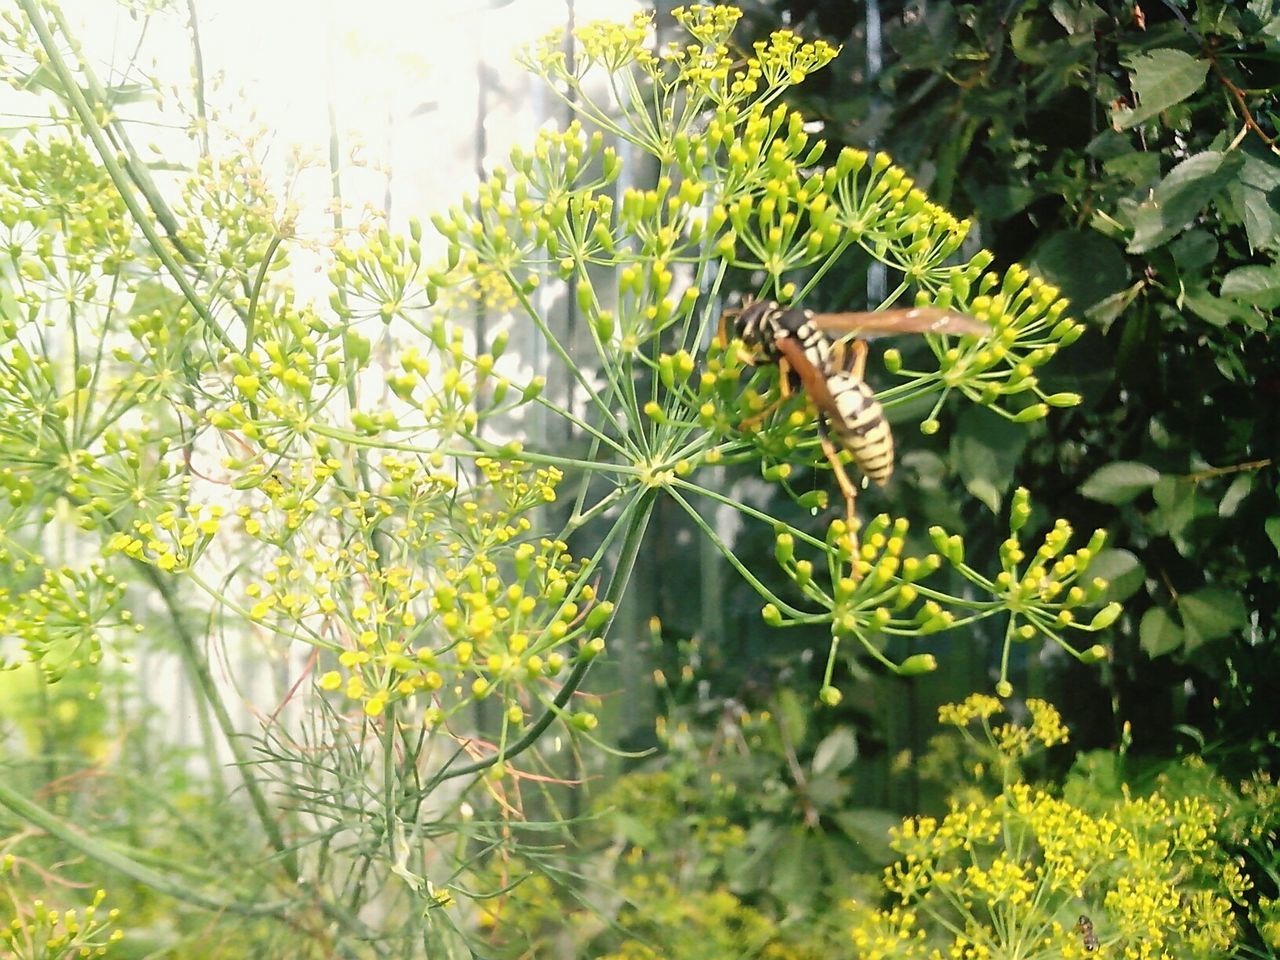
{"x":384,"y":277}
{"x":63,"y":621}
{"x":53,"y":186}
{"x":1028,"y":327}
{"x":482,"y":622}
{"x":42,"y":932}
{"x":687,"y":78}
{"x":871,"y":591}
{"x":228,"y":219}
{"x":868,"y":592}
{"x":1044,"y":597}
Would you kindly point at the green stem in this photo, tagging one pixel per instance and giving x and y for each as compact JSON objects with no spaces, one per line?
{"x":110,"y":856}
{"x":118,"y":176}
{"x":199,"y":670}
{"x":636,"y":520}
{"x":251,"y":318}
{"x":136,"y":169}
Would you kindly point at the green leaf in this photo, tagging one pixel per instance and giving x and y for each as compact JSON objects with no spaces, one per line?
{"x":836,"y":752}
{"x":1272,"y":527}
{"x":1257,"y":286}
{"x":869,"y":829}
{"x":1121,"y":569}
{"x":1158,"y":633}
{"x":1160,"y":79}
{"x":1256,"y":194}
{"x":1178,"y":199}
{"x":1239,"y":489}
{"x":1105,"y":312}
{"x":1214,"y":310}
{"x":793,"y":873}
{"x":1210,"y":614}
{"x":1119,"y":482}
{"x":1194,"y":249}
{"x":985,"y":449}
{"x":1083,"y":264}
{"x":1076,"y":17}
{"x":746,"y":865}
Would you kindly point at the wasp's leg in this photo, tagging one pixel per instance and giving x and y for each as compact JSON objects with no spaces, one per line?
{"x":784,"y":394}
{"x":847,"y":487}
{"x":850,"y":356}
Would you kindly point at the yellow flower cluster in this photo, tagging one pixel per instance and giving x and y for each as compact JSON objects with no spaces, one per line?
{"x":63,"y":620}
{"x":1007,"y":876}
{"x":873,"y":588}
{"x":495,"y":613}
{"x":170,"y":540}
{"x":609,"y":44}
{"x":37,"y":931}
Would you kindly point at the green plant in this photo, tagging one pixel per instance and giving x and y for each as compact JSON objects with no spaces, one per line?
{"x":1126,"y":152}
{"x":1027,"y":873}
{"x":228,"y":447}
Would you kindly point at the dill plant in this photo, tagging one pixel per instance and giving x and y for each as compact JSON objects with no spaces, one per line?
{"x":330,"y":475}
{"x":1011,"y":875}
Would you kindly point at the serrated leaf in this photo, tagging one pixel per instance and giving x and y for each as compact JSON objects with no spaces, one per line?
{"x":1119,"y":482}
{"x":1210,"y":614}
{"x":1160,"y":79}
{"x":1254,"y":285}
{"x":1158,"y":633}
{"x":1121,"y":569}
{"x":1178,"y":199}
{"x":836,"y":752}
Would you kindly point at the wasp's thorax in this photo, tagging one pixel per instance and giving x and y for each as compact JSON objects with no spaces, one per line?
{"x":762,"y":324}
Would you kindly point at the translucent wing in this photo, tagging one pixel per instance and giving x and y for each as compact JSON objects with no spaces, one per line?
{"x":866,"y":323}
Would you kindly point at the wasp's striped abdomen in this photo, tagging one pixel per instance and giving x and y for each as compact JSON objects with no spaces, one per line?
{"x":859,"y":423}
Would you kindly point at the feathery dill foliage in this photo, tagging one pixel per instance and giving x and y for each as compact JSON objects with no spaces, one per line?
{"x":1011,"y":875}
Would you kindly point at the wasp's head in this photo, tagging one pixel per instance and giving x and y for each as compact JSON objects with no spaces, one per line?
{"x":761,"y":324}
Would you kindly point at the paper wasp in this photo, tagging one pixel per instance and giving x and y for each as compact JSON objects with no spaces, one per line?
{"x":1088,"y":939}
{"x":825,"y":355}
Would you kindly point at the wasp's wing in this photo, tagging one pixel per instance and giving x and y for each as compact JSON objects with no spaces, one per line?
{"x":813,"y":379}
{"x":865,"y":323}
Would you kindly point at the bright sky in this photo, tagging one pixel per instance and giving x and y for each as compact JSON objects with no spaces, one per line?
{"x":402,"y":76}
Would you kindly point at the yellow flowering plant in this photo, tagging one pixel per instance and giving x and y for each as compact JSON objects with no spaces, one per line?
{"x":41,"y":933}
{"x":338,"y":478}
{"x":1027,"y":873}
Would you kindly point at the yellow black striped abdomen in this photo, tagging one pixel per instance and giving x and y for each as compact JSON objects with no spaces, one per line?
{"x":862,"y":427}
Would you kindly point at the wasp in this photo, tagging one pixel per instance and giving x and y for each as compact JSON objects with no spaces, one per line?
{"x":825,"y":355}
{"x":1089,"y":939}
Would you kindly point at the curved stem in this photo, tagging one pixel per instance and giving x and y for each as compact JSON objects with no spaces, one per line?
{"x":251,"y":318}
{"x":637,"y":520}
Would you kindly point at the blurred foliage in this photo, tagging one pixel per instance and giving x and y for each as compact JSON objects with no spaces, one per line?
{"x":740,"y":842}
{"x":1128,"y":153}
